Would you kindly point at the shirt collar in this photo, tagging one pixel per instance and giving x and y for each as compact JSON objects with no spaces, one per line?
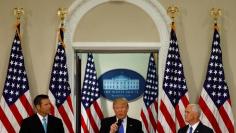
{"x":194,"y":126}
{"x":41,"y":117}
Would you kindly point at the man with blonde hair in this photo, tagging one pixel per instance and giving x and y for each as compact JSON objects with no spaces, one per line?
{"x":192,"y":114}
{"x":120,"y":123}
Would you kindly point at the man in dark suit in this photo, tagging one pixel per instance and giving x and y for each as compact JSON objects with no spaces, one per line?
{"x":192,"y":114}
{"x":120,"y":123}
{"x":42,"y":122}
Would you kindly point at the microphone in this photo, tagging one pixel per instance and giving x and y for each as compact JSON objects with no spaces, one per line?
{"x":119,"y":122}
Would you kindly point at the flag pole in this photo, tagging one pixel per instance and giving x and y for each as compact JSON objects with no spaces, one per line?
{"x":18,"y":12}
{"x":173,"y":11}
{"x":215,"y":13}
{"x":61,"y":13}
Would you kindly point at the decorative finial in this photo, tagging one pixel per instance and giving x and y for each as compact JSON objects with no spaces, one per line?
{"x":18,"y":12}
{"x":62,"y":12}
{"x":172,"y":11}
{"x":215,"y":13}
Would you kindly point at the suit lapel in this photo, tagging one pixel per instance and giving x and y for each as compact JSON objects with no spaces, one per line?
{"x":113,"y":119}
{"x":197,"y":130}
{"x":38,"y":124}
{"x":129,"y":126}
{"x":186,"y":129}
{"x":49,"y":125}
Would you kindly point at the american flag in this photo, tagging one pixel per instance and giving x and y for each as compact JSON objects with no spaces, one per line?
{"x":15,"y":101}
{"x":59,"y":88}
{"x":174,"y":96}
{"x":150,"y":102}
{"x":215,"y":100}
{"x":91,"y":113}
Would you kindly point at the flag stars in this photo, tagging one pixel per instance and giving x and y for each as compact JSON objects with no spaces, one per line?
{"x":12,"y":85}
{"x":21,"y":57}
{"x":216,"y":43}
{"x":11,"y":92}
{"x":54,"y":72}
{"x":209,"y":79}
{"x":17,"y":93}
{"x":12,"y":55}
{"x":24,"y":79}
{"x":10,"y":69}
{"x":210,"y":71}
{"x":8,"y":77}
{"x":214,"y":79}
{"x":62,"y":51}
{"x":211,"y":64}
{"x":10,"y":99}
{"x":56,"y":65}
{"x":19,"y":71}
{"x":213,"y":93}
{"x":58,"y":101}
{"x":220,"y":72}
{"x":215,"y":72}
{"x":7,"y":84}
{"x":225,"y":95}
{"x":225,"y":87}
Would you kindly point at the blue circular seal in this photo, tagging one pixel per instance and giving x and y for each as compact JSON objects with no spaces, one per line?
{"x":121,"y":83}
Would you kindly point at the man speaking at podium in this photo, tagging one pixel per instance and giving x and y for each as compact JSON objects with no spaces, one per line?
{"x":120,"y":123}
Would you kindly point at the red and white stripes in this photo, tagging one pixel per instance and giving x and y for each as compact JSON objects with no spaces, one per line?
{"x":11,"y":116}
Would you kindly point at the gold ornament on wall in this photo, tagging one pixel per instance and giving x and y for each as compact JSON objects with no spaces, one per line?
{"x":61,"y":13}
{"x":215,"y":13}
{"x":18,"y":12}
{"x":172,"y":12}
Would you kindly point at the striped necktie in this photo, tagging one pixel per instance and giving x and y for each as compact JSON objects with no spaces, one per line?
{"x":45,"y":124}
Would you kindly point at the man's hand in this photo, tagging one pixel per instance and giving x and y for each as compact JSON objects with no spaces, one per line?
{"x":113,"y":127}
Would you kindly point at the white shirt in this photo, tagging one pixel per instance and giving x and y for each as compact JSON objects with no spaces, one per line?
{"x":124,"y":122}
{"x":194,"y":126}
{"x":41,"y":118}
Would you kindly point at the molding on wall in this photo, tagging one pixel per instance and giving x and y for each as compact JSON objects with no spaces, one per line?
{"x":80,"y":7}
{"x":116,"y":46}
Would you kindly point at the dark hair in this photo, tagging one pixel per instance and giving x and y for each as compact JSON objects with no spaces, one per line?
{"x":39,"y":98}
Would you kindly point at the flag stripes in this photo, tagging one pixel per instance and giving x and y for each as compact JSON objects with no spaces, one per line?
{"x":15,"y":102}
{"x":149,"y":111}
{"x":91,"y":113}
{"x":215,"y":99}
{"x":174,"y":96}
{"x":59,"y":88}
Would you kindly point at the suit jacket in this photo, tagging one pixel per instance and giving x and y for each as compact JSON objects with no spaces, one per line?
{"x":33,"y":124}
{"x":200,"y":129}
{"x":133,"y":125}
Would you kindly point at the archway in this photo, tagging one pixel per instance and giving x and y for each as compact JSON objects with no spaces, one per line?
{"x":151,"y":7}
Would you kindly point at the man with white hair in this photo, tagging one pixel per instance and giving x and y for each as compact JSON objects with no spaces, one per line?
{"x":192,"y":114}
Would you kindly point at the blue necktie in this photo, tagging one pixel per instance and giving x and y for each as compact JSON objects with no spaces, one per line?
{"x":45,"y":124}
{"x":121,"y":128}
{"x":190,"y":130}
